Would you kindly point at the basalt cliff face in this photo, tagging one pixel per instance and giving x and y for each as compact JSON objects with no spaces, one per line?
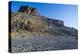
{"x":32,"y":32}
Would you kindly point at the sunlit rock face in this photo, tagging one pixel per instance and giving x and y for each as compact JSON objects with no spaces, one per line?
{"x":31,"y":31}
{"x":28,"y":10}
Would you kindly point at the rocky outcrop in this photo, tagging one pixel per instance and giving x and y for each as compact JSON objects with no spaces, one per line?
{"x":33,"y":23}
{"x":56,"y":22}
{"x":28,"y":10}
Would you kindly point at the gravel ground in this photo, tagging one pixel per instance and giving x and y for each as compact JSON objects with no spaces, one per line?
{"x":41,"y":42}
